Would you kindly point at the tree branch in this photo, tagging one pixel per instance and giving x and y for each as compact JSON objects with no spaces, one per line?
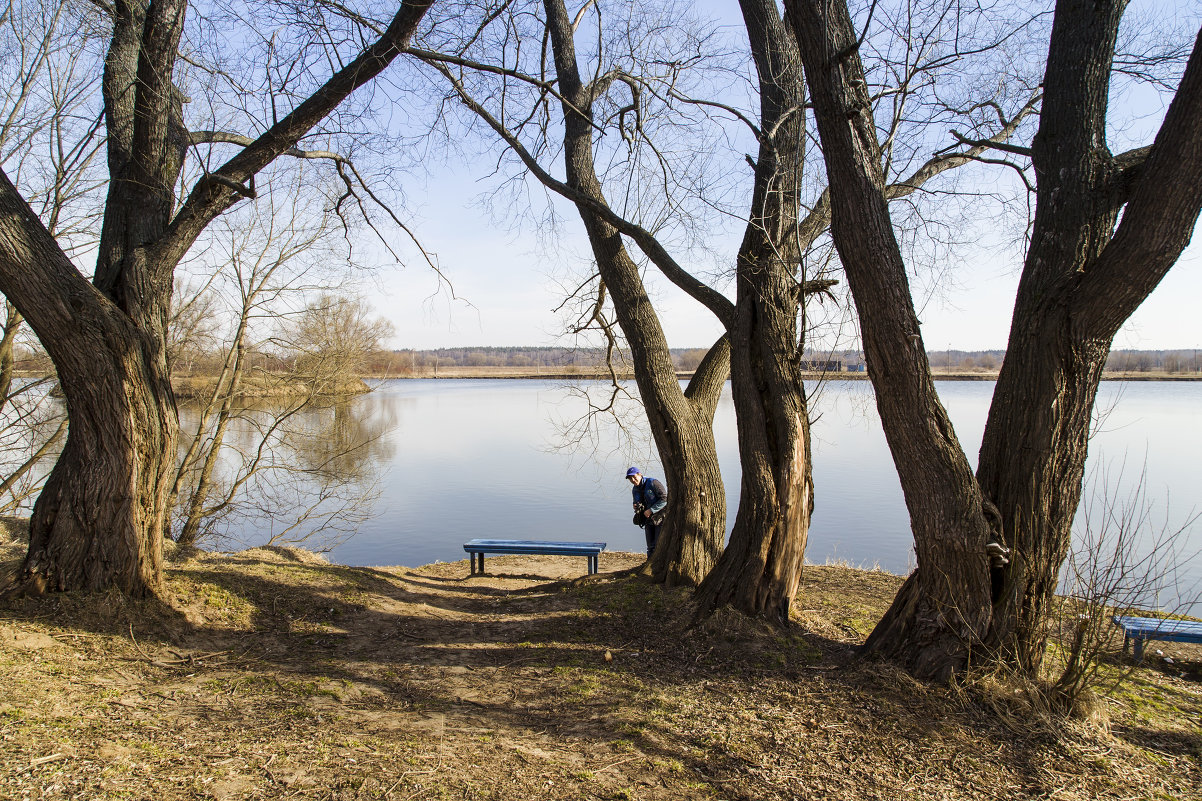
{"x":705,"y":387}
{"x":982,"y":144}
{"x":713,"y":300}
{"x":208,"y":199}
{"x":1159,"y":219}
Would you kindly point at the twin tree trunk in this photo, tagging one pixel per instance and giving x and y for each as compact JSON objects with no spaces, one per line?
{"x":681,"y":422}
{"x":99,"y":519}
{"x":760,"y":570}
{"x":1081,"y":280}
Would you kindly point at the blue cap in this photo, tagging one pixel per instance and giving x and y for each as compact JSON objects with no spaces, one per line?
{"x":634,"y":471}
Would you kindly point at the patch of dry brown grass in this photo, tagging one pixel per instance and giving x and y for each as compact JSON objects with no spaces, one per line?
{"x":273,"y":674}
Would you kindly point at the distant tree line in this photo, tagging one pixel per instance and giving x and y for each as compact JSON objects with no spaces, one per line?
{"x":30,"y":360}
{"x":401,"y":362}
{"x":1155,"y":361}
{"x":407,"y":361}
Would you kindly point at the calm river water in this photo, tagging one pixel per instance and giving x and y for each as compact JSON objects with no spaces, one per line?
{"x":486,"y":458}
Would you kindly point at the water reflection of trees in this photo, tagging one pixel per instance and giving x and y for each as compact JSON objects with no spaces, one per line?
{"x":33,"y":426}
{"x":295,"y":473}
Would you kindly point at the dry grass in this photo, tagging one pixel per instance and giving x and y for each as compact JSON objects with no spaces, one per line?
{"x":272,"y":674}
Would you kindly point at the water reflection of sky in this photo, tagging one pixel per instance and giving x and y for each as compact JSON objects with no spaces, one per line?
{"x":479,"y":458}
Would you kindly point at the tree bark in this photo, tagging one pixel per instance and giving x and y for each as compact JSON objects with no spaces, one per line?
{"x":99,"y":521}
{"x":760,"y":570}
{"x":1082,"y":279}
{"x":681,"y":425}
{"x":695,"y":526}
{"x":1079,"y":284}
{"x":942,"y":612}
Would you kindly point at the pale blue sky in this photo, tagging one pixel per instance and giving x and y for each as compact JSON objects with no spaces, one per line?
{"x":510,"y":278}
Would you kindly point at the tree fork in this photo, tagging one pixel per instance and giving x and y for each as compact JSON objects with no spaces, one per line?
{"x":760,"y":570}
{"x":681,"y":425}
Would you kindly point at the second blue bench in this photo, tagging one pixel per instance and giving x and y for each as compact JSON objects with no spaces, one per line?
{"x":1142,"y":629}
{"x":478,"y":548}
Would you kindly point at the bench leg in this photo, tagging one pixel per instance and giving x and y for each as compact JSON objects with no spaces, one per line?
{"x":592,"y":565}
{"x":1139,"y":649}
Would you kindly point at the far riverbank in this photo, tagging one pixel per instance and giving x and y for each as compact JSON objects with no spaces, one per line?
{"x":571,"y":374}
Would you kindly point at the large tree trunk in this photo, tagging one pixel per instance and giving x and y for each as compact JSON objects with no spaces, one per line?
{"x":682,"y":425}
{"x":1079,"y":284}
{"x":760,"y":570}
{"x":1083,"y":278}
{"x":98,"y":522}
{"x":99,"y":519}
{"x":942,"y":612}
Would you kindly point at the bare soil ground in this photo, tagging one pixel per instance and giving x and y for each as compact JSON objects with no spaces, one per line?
{"x":273,"y":674}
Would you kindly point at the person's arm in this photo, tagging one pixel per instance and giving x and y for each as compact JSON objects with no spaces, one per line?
{"x":660,"y":494}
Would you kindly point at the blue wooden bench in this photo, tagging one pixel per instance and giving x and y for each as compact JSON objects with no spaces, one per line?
{"x":477,"y":548}
{"x":1142,"y":629}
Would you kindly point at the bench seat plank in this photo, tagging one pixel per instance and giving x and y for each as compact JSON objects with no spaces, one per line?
{"x":477,"y":548}
{"x":1142,"y":629}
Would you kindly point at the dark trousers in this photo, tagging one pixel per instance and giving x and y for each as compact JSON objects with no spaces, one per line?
{"x":651,"y":532}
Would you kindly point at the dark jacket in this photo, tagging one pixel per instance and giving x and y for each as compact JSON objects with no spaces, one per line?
{"x":650,"y":492}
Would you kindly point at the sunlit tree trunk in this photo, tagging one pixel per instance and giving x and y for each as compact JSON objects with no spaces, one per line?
{"x":1085,"y":274}
{"x":99,"y":521}
{"x":1082,"y":279}
{"x":681,"y":424}
{"x":760,"y":570}
{"x":99,"y":518}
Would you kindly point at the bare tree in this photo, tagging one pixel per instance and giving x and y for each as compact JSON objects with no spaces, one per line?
{"x":99,"y":521}
{"x":260,"y":259}
{"x":680,"y":420}
{"x":762,"y":571}
{"x":328,"y":343}
{"x":1085,"y":273}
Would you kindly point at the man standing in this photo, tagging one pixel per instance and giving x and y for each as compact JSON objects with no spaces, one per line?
{"x":650,"y":501}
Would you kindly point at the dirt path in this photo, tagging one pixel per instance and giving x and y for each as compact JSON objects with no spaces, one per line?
{"x":271,"y":674}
